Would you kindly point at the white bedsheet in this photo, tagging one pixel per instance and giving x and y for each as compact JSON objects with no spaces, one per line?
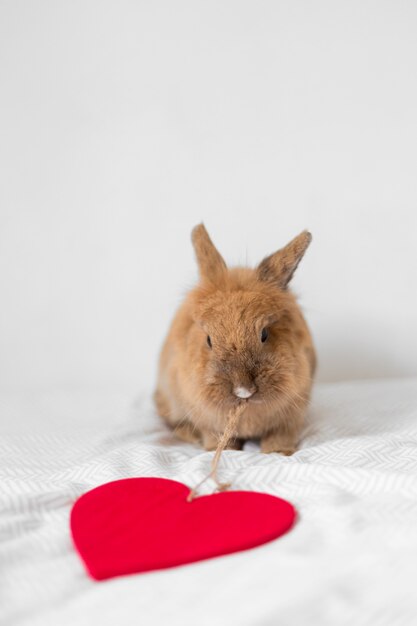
{"x":350,"y":559}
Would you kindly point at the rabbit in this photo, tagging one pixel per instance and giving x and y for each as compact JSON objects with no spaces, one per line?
{"x":239,"y":337}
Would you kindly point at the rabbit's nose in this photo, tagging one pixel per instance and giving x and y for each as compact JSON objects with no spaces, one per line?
{"x":243,"y":392}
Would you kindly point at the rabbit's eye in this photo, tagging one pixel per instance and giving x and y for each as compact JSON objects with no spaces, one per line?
{"x":264,"y":335}
{"x":208,"y":341}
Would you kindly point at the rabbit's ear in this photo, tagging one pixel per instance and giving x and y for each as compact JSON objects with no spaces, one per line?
{"x":210,"y":262}
{"x":279,"y":267}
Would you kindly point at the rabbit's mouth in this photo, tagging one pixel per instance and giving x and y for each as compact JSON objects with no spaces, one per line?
{"x":254,"y":398}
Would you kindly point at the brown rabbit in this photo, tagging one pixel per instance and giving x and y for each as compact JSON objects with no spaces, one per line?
{"x":238,"y":337}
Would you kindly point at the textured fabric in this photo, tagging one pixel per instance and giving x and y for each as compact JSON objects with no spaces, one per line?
{"x":142,"y":524}
{"x":350,"y":559}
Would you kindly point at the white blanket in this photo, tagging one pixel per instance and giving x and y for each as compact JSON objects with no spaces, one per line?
{"x":350,"y":559}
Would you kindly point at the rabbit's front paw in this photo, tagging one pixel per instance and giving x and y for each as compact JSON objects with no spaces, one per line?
{"x":277,"y":442}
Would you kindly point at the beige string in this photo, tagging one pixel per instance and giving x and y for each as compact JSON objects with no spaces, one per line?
{"x":228,"y":434}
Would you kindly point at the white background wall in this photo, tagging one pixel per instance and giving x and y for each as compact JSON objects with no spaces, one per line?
{"x":124,"y":123}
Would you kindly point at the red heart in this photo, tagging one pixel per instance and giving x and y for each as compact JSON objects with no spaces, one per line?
{"x":141,"y":524}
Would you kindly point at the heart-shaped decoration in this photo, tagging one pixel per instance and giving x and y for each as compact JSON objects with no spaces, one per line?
{"x":141,"y":524}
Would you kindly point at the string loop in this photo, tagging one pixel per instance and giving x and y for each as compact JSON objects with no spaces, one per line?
{"x":228,"y":434}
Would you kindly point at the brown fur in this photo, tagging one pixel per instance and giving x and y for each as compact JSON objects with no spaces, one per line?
{"x":195,"y":385}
